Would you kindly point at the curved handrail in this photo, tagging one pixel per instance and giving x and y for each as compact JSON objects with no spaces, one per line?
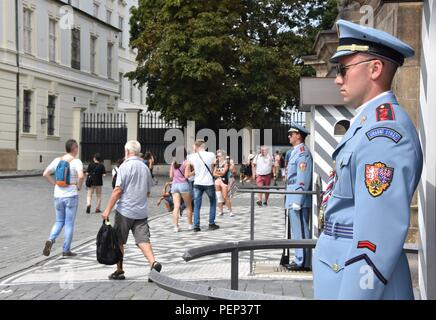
{"x":246,"y":245}
{"x":225,"y":247}
{"x":199,"y":291}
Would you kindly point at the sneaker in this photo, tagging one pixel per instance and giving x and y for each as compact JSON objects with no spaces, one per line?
{"x":259,"y":203}
{"x":88,"y":209}
{"x":156,"y":266}
{"x":213,"y":226}
{"x":190,"y":227}
{"x":231,"y":214}
{"x":220,"y":213}
{"x":69,"y":254}
{"x":265,"y":203}
{"x":117,"y":275}
{"x":97,"y":211}
{"x":176,"y":229}
{"x":47,"y":248}
{"x":196,"y":229}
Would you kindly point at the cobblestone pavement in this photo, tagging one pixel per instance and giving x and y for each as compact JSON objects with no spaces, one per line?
{"x":27,"y":215}
{"x":26,"y":274}
{"x":83,"y":278}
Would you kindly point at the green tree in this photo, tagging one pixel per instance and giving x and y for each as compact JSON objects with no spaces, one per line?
{"x":223,"y":62}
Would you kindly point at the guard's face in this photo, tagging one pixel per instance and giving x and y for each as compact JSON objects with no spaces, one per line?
{"x":353,"y":85}
{"x":293,"y":138}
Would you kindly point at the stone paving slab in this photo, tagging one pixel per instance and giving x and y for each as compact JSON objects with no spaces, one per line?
{"x":82,"y":277}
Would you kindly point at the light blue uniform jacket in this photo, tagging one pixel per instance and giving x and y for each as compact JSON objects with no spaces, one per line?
{"x":299,"y":177}
{"x":378,"y":164}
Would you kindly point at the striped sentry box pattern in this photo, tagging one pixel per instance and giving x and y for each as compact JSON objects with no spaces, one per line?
{"x":324,"y":120}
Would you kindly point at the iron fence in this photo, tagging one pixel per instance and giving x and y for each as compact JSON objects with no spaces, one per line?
{"x":105,"y":133}
{"x":151,"y":132}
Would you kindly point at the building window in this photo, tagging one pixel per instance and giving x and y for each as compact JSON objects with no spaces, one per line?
{"x":109,"y":60}
{"x":51,"y":115}
{"x":93,"y":53}
{"x":120,"y":26}
{"x":52,"y":40}
{"x":96,"y":7}
{"x":27,"y":102}
{"x":120,"y":89}
{"x":75,"y":49}
{"x":27,"y":28}
{"x":131,"y":91}
{"x":341,"y":127}
{"x":108,"y":16}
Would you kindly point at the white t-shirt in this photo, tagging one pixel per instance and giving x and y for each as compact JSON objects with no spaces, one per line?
{"x":202,"y":175}
{"x":71,"y":190}
{"x":263,"y":164}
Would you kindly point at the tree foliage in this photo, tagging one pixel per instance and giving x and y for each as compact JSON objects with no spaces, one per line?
{"x":231,"y":62}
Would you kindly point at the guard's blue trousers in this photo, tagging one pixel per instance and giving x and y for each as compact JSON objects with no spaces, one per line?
{"x":300,"y":230}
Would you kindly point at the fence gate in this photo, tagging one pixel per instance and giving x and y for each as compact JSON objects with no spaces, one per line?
{"x":280,"y":128}
{"x":105,"y":133}
{"x":151,"y":132}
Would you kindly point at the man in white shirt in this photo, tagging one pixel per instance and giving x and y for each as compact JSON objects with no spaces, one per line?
{"x":66,"y":198}
{"x":203,"y":163}
{"x":262,"y":169}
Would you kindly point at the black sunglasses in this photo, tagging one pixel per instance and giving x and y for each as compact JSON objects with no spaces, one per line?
{"x":342,"y":70}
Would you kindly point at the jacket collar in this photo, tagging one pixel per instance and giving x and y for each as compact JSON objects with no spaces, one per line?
{"x":367,"y":113}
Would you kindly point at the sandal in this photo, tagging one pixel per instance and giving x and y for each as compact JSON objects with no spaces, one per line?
{"x":117,"y":275}
{"x":156,"y":266}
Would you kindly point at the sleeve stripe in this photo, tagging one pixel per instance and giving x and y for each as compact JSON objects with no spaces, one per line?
{"x":367,"y":244}
{"x":370,"y":263}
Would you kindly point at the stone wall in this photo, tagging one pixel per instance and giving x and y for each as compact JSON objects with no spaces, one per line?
{"x":8,"y":159}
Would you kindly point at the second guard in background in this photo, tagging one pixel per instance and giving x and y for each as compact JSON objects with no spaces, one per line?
{"x":299,"y":177}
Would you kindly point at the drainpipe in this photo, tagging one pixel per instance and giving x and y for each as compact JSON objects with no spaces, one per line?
{"x":17,"y":102}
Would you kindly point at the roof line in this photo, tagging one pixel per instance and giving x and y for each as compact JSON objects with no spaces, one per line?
{"x":88,"y":15}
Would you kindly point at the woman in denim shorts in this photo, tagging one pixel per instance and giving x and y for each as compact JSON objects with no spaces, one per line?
{"x":180,"y":190}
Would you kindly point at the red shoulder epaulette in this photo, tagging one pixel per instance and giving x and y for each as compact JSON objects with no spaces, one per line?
{"x":302,"y":149}
{"x":385,"y":112}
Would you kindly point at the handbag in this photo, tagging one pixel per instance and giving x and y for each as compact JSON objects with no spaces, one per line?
{"x":233,"y":187}
{"x":108,"y":247}
{"x":88,"y":181}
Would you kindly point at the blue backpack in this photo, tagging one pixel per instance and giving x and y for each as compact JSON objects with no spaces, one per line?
{"x":62,"y":173}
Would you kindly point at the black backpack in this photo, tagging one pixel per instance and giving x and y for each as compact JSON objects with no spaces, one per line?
{"x":114,"y":179}
{"x":108,"y":247}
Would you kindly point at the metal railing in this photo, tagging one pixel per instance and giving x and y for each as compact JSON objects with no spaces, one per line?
{"x":270,"y":190}
{"x":208,"y":292}
{"x":199,"y":291}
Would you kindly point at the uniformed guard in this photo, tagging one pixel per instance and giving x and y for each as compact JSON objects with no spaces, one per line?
{"x":299,"y":177}
{"x":378,"y":164}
